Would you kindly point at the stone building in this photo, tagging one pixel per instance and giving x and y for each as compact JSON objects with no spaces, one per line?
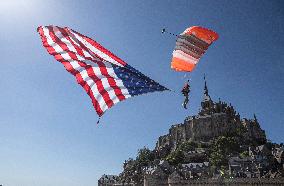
{"x":243,"y":168}
{"x":278,"y":153}
{"x":195,"y":170}
{"x":107,"y":180}
{"x":213,"y":120}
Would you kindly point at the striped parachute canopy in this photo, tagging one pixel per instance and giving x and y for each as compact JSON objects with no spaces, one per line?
{"x":190,"y":46}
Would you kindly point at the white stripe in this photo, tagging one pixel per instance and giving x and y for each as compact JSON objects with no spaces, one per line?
{"x":109,"y":69}
{"x":97,"y":71}
{"x":112,"y":74}
{"x":91,"y":83}
{"x":118,"y":81}
{"x":77,"y":67}
{"x":95,"y":50}
{"x":106,"y":84}
{"x":70,"y":45}
{"x":94,"y":89}
{"x":86,"y":53}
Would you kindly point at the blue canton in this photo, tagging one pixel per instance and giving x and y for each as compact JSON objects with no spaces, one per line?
{"x":136,"y":82}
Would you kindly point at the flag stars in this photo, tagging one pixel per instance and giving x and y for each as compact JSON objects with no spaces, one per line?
{"x":136,"y":82}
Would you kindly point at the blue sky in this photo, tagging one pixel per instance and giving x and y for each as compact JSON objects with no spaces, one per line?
{"x":48,"y":131}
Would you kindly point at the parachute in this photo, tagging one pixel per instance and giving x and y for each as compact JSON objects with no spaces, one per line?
{"x":190,"y":46}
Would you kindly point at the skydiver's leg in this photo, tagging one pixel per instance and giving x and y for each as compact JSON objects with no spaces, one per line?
{"x":185,"y":102}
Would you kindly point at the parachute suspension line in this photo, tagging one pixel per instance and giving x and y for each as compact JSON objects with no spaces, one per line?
{"x":165,"y":31}
{"x":187,"y":76}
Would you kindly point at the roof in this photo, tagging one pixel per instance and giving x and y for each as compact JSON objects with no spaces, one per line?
{"x":195,"y":165}
{"x":109,"y":177}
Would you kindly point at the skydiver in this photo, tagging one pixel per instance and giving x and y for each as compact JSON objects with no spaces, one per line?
{"x":185,"y":91}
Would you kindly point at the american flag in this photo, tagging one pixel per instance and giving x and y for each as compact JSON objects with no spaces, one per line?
{"x":106,"y":78}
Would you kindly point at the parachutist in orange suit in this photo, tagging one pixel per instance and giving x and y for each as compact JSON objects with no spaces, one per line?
{"x":185,"y":91}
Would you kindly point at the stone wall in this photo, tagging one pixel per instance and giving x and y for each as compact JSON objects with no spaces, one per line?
{"x":152,"y":181}
{"x":198,"y":128}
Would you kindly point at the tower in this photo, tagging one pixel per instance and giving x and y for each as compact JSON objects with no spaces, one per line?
{"x":207,"y":102}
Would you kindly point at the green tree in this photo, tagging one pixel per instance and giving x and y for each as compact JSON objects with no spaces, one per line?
{"x":221,"y":148}
{"x":145,"y":156}
{"x":176,"y":157}
{"x":133,"y":169}
{"x":218,"y":158}
{"x":188,"y":146}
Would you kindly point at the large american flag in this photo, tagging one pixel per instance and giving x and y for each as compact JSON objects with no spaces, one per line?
{"x":106,"y":78}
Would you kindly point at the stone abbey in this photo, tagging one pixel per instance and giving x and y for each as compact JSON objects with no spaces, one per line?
{"x":213,"y":120}
{"x":214,"y":147}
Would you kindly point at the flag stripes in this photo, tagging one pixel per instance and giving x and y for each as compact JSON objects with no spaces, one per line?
{"x":95,"y":68}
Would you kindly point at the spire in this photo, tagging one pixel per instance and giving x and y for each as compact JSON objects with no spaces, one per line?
{"x":255,"y":119}
{"x":207,"y":103}
{"x":206,"y":96}
{"x":205,"y":87}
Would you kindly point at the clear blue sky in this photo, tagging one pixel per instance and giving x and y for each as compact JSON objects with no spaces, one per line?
{"x":48,"y":131}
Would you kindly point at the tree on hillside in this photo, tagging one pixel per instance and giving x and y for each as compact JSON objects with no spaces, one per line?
{"x":133,"y":169}
{"x":188,"y":146}
{"x":176,"y":157}
{"x":221,"y":148}
{"x":145,"y":157}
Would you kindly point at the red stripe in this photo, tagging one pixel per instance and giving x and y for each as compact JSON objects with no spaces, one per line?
{"x":83,"y":46}
{"x":89,"y":70}
{"x":112,"y":83}
{"x":78,"y":49}
{"x":70,"y":69}
{"x":85,"y":85}
{"x":103,"y":70}
{"x":49,"y":49}
{"x":80,"y":80}
{"x":101,"y":48}
{"x":92,"y":75}
{"x":67,"y":34}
